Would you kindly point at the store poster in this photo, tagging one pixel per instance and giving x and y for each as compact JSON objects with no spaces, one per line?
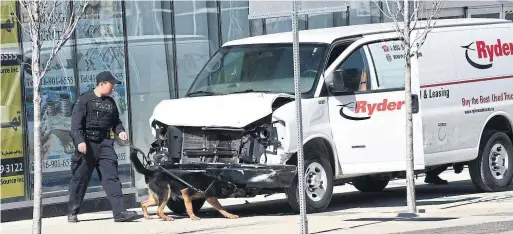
{"x":58,"y":94}
{"x":100,"y":48}
{"x":11,"y":132}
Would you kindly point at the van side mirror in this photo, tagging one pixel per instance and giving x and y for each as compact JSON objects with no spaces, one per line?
{"x":337,"y":86}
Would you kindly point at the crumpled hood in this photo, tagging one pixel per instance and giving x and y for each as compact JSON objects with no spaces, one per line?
{"x":234,"y":110}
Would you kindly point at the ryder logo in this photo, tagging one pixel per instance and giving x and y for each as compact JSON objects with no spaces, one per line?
{"x":371,"y":108}
{"x":488,"y":52}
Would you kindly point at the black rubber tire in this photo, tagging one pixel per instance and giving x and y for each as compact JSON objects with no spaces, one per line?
{"x":178,"y":206}
{"x":319,"y":155}
{"x":369,"y":184}
{"x":479,"y":169}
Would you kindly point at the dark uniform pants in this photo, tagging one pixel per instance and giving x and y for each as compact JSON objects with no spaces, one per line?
{"x":102,"y":157}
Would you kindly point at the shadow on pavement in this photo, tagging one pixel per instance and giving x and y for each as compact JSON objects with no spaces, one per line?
{"x":392,"y":197}
{"x":381,"y":220}
{"x":424,"y":219}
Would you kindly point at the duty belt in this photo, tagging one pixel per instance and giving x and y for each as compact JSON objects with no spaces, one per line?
{"x":96,"y":135}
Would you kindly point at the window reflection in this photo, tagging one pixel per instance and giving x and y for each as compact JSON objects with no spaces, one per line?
{"x":100,"y":47}
{"x":197,"y":38}
{"x":150,"y":63}
{"x":234,"y":20}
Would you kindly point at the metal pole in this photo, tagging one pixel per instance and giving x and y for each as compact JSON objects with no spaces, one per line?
{"x":299,"y":119}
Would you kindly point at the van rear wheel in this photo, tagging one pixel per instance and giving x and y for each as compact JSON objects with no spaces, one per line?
{"x":369,"y":184}
{"x":492,"y":170}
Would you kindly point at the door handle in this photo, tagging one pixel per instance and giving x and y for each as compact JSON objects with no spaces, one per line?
{"x":414,"y":103}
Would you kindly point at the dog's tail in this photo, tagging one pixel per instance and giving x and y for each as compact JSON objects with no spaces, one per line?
{"x":138,"y":166}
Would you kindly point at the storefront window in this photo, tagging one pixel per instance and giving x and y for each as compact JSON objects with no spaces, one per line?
{"x":234,"y":19}
{"x":340,"y":18}
{"x":283,"y":24}
{"x":100,"y":47}
{"x":256,"y":27}
{"x":197,"y":38}
{"x":508,"y":15}
{"x":324,"y":20}
{"x":150,"y":60}
{"x":360,"y":12}
{"x":394,"y":10}
{"x":58,"y":93}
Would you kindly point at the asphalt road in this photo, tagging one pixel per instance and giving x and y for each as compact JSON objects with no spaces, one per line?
{"x":346,"y":201}
{"x":486,"y":228}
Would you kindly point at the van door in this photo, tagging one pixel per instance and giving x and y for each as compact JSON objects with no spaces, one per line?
{"x":366,"y":108}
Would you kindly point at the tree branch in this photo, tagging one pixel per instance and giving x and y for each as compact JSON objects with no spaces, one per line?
{"x":394,"y":18}
{"x":65,"y":35}
{"x":420,"y":38}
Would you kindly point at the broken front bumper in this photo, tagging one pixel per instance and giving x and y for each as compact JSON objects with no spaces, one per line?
{"x":249,"y":175}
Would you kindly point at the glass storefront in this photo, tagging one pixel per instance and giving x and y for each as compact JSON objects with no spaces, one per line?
{"x":155,"y":48}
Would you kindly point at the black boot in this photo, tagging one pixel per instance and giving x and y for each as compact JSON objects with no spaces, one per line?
{"x":458,"y":168}
{"x":436,"y":180}
{"x":72,"y":218}
{"x":125,"y":216}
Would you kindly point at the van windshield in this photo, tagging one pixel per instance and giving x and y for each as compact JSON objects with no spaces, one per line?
{"x":258,"y":68}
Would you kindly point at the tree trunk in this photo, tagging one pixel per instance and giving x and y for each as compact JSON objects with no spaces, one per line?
{"x":410,"y":182}
{"x":36,"y":72}
{"x":38,"y":173}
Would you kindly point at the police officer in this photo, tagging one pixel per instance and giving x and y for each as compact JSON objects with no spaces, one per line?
{"x":94,"y":116}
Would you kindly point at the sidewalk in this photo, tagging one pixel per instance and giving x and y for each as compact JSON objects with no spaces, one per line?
{"x":350,"y":212}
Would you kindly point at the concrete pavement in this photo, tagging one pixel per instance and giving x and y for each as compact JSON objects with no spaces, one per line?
{"x":454,"y":207}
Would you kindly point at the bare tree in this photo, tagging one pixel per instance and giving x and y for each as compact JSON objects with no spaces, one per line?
{"x":55,"y":22}
{"x":419,"y":23}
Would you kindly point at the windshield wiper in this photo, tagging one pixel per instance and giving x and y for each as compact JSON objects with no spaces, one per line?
{"x":251,"y":91}
{"x":203,"y":93}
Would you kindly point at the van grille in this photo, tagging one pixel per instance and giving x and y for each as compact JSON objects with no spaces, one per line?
{"x":198,"y":143}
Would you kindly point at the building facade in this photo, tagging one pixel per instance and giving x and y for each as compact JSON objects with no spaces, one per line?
{"x":155,"y":48}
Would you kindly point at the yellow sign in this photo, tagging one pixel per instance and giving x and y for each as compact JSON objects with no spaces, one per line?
{"x":11,"y":113}
{"x":12,"y":186}
{"x":12,"y":164}
{"x":11,"y":133}
{"x":8,"y":22}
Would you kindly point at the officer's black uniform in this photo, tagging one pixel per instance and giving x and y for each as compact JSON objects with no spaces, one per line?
{"x":92,"y":119}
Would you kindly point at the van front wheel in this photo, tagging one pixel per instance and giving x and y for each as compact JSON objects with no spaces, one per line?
{"x":492,"y":170}
{"x":318,"y":183}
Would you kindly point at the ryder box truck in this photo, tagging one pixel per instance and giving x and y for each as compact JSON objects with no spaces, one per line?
{"x":237,"y":121}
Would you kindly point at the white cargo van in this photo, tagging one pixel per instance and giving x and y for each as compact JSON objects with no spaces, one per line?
{"x":237,"y":121}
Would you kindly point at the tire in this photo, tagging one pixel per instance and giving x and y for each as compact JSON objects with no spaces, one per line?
{"x":369,"y":184}
{"x":313,"y":157}
{"x":479,"y":169}
{"x":178,"y":206}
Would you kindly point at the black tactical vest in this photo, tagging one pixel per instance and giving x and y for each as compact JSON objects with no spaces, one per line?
{"x":99,"y":117}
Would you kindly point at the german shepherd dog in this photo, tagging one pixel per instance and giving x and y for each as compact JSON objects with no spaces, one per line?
{"x":162,"y":187}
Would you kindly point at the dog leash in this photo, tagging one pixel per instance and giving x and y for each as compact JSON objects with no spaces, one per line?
{"x":178,"y":178}
{"x":162,"y":168}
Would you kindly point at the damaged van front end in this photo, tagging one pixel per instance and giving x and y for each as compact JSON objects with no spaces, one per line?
{"x":240,"y":145}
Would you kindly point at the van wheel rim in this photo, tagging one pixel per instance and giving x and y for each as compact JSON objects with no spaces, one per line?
{"x":498,"y":161}
{"x":316,"y":181}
